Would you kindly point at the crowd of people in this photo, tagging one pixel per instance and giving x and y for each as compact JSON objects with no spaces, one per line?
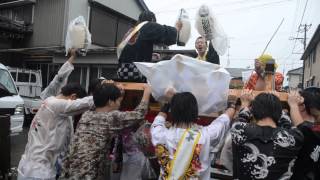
{"x":254,"y":138}
{"x":264,"y":141}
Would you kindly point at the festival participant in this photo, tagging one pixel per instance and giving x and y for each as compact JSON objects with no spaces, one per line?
{"x":87,"y":156}
{"x":205,"y":54}
{"x":137,"y":45}
{"x":184,"y":150}
{"x":305,"y":113}
{"x":257,"y":79}
{"x":51,"y":128}
{"x":268,"y":147}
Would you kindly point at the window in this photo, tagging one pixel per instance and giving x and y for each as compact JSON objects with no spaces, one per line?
{"x":314,"y":55}
{"x":79,"y":76}
{"x":75,"y":75}
{"x":14,"y":75}
{"x":103,"y":27}
{"x":33,"y":78}
{"x":308,"y":60}
{"x":21,"y":14}
{"x":123,"y":27}
{"x":6,"y":81}
{"x":23,"y":77}
{"x":93,"y":73}
{"x":312,"y":81}
{"x":108,"y":28}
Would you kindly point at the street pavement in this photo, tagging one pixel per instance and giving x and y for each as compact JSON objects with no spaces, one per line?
{"x":18,"y":143}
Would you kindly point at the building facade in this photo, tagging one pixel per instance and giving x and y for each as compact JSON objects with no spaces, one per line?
{"x":295,"y":78}
{"x":32,"y":34}
{"x":311,"y":61}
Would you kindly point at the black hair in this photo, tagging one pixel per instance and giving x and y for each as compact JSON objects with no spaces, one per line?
{"x":266,"y":105}
{"x":147,"y":16}
{"x":93,"y":84}
{"x":73,"y":88}
{"x":201,"y":37}
{"x":105,"y":92}
{"x":184,"y":108}
{"x":311,"y":97}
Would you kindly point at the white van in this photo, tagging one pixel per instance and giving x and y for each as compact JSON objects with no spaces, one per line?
{"x":12,"y":104}
{"x":29,"y":85}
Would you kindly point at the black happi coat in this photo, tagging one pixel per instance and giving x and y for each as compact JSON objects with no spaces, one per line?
{"x":263,"y":152}
{"x":307,"y":166}
{"x":140,"y":46}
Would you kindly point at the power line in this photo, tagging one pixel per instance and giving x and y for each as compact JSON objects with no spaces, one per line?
{"x":296,"y":38}
{"x":304,"y":10}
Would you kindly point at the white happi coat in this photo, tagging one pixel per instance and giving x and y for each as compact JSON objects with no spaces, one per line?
{"x":50,"y":130}
{"x":211,"y":135}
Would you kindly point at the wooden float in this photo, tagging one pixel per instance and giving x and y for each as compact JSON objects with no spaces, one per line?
{"x":134,"y":93}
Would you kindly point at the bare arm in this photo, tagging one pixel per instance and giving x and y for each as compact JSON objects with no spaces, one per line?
{"x":294,"y":99}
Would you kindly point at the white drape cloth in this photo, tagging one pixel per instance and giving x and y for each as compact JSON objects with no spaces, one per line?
{"x":208,"y":82}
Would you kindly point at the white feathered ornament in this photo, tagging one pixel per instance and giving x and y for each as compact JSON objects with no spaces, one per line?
{"x":208,"y":27}
{"x":78,"y":35}
{"x":184,"y":33}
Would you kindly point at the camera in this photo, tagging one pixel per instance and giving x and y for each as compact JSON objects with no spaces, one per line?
{"x":270,"y":66}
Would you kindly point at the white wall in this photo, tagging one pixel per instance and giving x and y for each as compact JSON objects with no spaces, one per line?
{"x":294,"y":81}
{"x":129,"y":8}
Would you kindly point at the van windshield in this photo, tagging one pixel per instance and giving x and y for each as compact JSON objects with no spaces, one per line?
{"x":6,"y":81}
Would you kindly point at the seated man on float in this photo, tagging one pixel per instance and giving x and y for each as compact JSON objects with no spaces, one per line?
{"x":257,"y":80}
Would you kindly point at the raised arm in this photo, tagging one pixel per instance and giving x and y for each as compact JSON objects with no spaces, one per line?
{"x":159,"y":34}
{"x":218,"y":128}
{"x":213,"y":56}
{"x":294,"y":99}
{"x":60,"y":79}
{"x":245,"y":115}
{"x":128,"y":118}
{"x":158,"y":127}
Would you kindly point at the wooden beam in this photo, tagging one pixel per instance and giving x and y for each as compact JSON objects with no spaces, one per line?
{"x":232,"y":92}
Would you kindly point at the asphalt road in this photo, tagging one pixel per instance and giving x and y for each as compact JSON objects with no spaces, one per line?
{"x":18,"y":143}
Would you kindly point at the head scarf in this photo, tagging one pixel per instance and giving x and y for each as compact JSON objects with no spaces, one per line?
{"x":265,"y":58}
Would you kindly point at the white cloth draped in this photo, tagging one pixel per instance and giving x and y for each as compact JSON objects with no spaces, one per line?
{"x":208,"y":82}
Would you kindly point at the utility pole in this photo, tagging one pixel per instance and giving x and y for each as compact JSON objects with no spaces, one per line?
{"x":228,"y":53}
{"x":304,"y":28}
{"x":228,"y":62}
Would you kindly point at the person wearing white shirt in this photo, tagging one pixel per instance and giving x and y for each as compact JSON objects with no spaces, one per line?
{"x":184,"y":149}
{"x":51,"y":128}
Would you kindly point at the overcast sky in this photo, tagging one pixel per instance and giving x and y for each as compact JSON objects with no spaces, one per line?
{"x":249,"y":24}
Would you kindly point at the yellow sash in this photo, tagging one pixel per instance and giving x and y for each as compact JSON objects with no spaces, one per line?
{"x":125,"y":41}
{"x":183,"y":155}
